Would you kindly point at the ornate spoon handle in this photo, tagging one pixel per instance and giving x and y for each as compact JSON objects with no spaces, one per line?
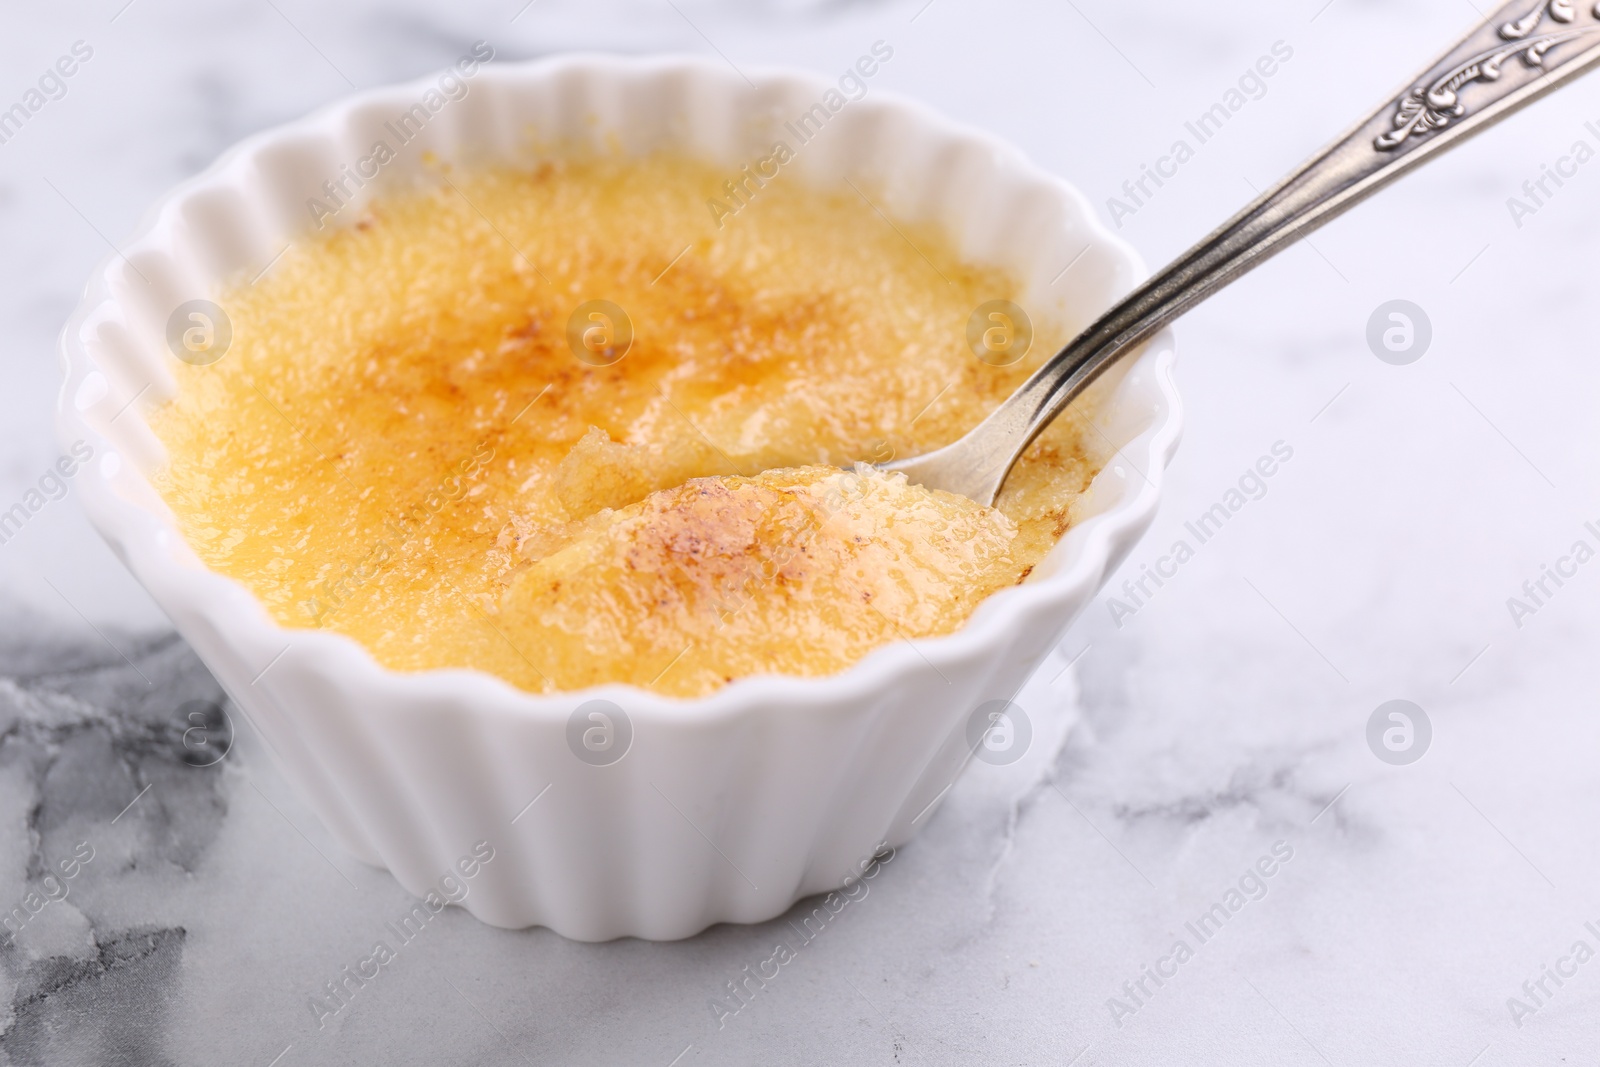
{"x":1524,"y":50}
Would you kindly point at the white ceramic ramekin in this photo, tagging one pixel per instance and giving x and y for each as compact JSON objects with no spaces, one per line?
{"x":725,"y":809}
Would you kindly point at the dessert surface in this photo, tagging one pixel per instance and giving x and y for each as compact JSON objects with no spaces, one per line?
{"x":569,"y":426}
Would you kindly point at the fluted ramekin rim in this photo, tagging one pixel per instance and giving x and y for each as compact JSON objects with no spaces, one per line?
{"x":146,"y":538}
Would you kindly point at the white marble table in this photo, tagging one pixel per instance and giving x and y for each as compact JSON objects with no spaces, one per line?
{"x":1225,"y":715}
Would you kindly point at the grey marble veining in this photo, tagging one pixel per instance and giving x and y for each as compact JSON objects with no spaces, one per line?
{"x":1222,"y":719}
{"x":86,"y":979}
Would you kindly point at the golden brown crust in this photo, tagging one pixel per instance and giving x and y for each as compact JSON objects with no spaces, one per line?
{"x":797,"y":571}
{"x":402,"y":434}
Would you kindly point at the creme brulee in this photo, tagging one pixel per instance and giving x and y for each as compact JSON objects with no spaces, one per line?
{"x":403,"y":446}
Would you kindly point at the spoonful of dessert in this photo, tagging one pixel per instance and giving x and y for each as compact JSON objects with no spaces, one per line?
{"x":1524,"y":50}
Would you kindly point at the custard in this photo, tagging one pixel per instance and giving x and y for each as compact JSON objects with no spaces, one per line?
{"x":409,"y":444}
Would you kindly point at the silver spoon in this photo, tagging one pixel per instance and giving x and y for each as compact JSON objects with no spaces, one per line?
{"x":1522,"y":51}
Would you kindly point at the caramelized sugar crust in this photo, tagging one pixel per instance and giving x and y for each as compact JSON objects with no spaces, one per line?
{"x":402,"y":446}
{"x":778,"y":573}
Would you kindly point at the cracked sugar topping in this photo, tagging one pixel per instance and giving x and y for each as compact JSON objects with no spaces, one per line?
{"x":423,"y":437}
